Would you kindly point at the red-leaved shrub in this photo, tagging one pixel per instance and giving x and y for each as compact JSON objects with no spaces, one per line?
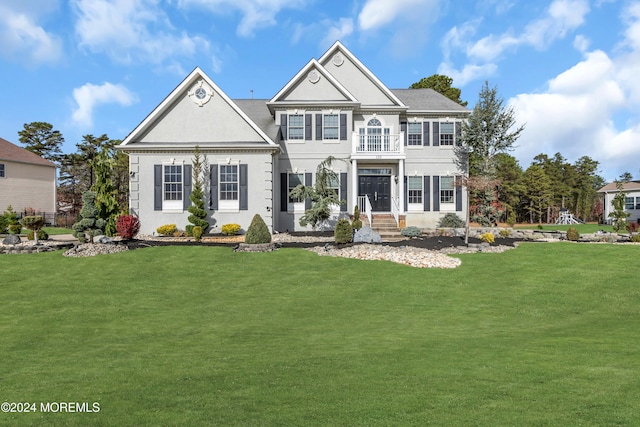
{"x":632,"y":227}
{"x":127,"y":226}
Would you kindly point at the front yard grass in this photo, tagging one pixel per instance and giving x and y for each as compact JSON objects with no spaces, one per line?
{"x":547,"y":334}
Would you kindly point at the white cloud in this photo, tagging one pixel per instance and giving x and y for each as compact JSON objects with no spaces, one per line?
{"x":256,"y":14}
{"x":338,"y":31}
{"x":131,"y":31}
{"x":22,"y":39}
{"x":90,"y":96}
{"x":378,"y":13}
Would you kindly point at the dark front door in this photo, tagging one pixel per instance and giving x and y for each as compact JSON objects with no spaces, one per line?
{"x":378,"y":188}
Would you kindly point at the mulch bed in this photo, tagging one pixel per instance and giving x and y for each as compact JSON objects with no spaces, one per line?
{"x":432,"y":243}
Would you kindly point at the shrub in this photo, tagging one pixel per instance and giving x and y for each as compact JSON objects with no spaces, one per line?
{"x":34,"y":223}
{"x":411,"y":231}
{"x":451,"y":220}
{"x":511,"y":218}
{"x":635,"y":238}
{"x":343,"y":232}
{"x":504,"y":233}
{"x":540,"y":227}
{"x":167,"y":230}
{"x":42,"y":235}
{"x":188,"y":230}
{"x":127,"y":226}
{"x":230,"y":229}
{"x":632,"y":227}
{"x":4,"y":223}
{"x":487,"y":237}
{"x":13,"y":224}
{"x":258,"y":232}
{"x":356,"y":223}
{"x":197,"y":232}
{"x":573,"y":234}
{"x":89,"y":224}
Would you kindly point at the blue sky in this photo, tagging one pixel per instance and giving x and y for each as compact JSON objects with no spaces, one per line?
{"x":569,"y":68}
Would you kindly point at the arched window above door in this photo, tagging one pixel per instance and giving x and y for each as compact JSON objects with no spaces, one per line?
{"x":374,"y":122}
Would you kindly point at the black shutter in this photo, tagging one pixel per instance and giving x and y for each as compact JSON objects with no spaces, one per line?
{"x":425,"y":134}
{"x":403,"y":128}
{"x":244,"y":194}
{"x":157,"y":187}
{"x":308,"y":183}
{"x":436,"y":134}
{"x":406,"y":194}
{"x":343,"y":127}
{"x":186,"y":186}
{"x":458,"y":131}
{"x":307,"y":127}
{"x":283,"y":126}
{"x":319,"y":127}
{"x":436,"y":193}
{"x":458,"y":194}
{"x":284,"y":193}
{"x":426,"y":193}
{"x":343,"y":191}
{"x":213,"y":189}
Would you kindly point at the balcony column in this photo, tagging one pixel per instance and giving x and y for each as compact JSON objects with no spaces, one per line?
{"x":401,"y":191}
{"x":354,"y":184}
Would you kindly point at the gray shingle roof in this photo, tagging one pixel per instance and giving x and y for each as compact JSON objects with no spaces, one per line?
{"x":258,"y":111}
{"x":427,"y":100}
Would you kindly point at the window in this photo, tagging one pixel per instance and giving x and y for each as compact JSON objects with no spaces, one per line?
{"x":331,"y":127}
{"x":446,"y":189}
{"x":295,"y":179}
{"x":414,"y":188}
{"x":173,"y":182}
{"x":446,"y":133}
{"x":637,"y":203}
{"x":228,"y":182}
{"x":628,"y":203}
{"x":2,"y":171}
{"x":414,"y":134}
{"x":296,"y":126}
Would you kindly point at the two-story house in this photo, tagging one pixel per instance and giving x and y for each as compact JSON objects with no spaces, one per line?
{"x":395,"y":149}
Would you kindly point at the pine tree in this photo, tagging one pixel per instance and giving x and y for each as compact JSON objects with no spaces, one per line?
{"x":106,"y":200}
{"x":197,"y":211}
{"x":89,"y":224}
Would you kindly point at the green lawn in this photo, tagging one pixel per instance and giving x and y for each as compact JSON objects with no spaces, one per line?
{"x":582,"y":228}
{"x":547,"y":334}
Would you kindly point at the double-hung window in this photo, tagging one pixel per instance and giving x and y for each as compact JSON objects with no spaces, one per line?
{"x":414,"y":134}
{"x":172,"y":187}
{"x":628,"y":203}
{"x":447,"y":133}
{"x":228,"y":185}
{"x":638,"y":203}
{"x":3,"y":173}
{"x":447,"y":190}
{"x":414,"y":189}
{"x":295,"y":179}
{"x":331,"y":127}
{"x":296,"y":127}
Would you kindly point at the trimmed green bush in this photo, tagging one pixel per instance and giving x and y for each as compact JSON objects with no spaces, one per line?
{"x":166,"y":230}
{"x":411,"y":231}
{"x":188,"y":230}
{"x":451,"y":220}
{"x":635,"y":238}
{"x":13,"y":224}
{"x":343,"y":232}
{"x":504,"y":233}
{"x":197,"y":232}
{"x":356,"y":224}
{"x":258,"y":231}
{"x":573,"y":234}
{"x":230,"y":229}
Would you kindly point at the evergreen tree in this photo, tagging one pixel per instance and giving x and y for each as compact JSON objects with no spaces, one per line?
{"x":441,"y":84}
{"x":198,"y":213}
{"x":90,"y":224}
{"x":538,"y":191}
{"x":41,"y":139}
{"x":106,"y":201}
{"x":619,"y":215}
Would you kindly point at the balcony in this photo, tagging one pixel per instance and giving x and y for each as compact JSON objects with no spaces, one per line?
{"x":377,"y":146}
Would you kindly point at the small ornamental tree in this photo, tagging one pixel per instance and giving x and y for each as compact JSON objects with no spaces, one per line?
{"x":13,"y":223}
{"x":618,"y":215}
{"x":127,"y":226}
{"x":343,"y":232}
{"x":197,"y":211}
{"x":89,"y":224}
{"x":258,"y":231}
{"x":106,"y":201}
{"x":356,"y":223}
{"x":34,"y":223}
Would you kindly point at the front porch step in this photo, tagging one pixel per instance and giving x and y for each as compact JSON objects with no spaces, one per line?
{"x":385,"y":225}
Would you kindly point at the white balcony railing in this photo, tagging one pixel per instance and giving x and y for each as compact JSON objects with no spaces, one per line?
{"x":378,"y":143}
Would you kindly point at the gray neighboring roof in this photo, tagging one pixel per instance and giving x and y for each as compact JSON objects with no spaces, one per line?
{"x":627,"y":186}
{"x":424,"y":100}
{"x":258,"y":111}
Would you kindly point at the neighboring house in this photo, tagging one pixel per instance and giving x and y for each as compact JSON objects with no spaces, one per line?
{"x":396,"y":147}
{"x":631,"y":200}
{"x":27,"y":181}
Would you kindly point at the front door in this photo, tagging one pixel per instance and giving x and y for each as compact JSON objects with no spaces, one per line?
{"x":378,"y":188}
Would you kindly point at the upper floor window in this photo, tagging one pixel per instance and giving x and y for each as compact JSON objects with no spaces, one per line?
{"x":296,"y":126}
{"x":414,"y":189}
{"x":3,"y":173}
{"x":414,"y":134}
{"x":447,"y":132}
{"x":447,"y":189}
{"x":331,"y":126}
